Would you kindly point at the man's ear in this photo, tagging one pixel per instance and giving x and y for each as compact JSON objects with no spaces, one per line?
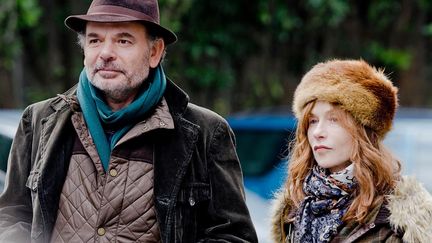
{"x":156,"y":52}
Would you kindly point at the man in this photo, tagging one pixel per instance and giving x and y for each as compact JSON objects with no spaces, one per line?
{"x":123,"y":156}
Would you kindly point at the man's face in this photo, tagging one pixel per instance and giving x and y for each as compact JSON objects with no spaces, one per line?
{"x":118,"y":57}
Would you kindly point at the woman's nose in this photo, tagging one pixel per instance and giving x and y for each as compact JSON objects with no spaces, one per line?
{"x":319,"y":130}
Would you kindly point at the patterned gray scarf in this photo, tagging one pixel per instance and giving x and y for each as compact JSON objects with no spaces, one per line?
{"x":327,"y":199}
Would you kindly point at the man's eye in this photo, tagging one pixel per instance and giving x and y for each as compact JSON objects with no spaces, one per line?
{"x":93,"y":41}
{"x":124,"y":42}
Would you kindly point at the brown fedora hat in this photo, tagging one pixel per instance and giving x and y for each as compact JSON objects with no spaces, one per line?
{"x":110,"y":11}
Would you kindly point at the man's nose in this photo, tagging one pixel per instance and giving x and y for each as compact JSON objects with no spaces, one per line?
{"x":107,"y":52}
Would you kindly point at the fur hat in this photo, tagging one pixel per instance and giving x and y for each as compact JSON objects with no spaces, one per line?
{"x":358,"y":88}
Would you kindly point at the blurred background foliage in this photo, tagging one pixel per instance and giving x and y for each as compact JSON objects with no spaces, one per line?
{"x":231,"y":55}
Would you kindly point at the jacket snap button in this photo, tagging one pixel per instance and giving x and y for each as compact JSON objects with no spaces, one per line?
{"x":113,"y":172}
{"x":191,"y":201}
{"x":101,"y":231}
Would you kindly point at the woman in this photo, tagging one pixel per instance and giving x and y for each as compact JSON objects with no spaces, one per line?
{"x":343,"y":185}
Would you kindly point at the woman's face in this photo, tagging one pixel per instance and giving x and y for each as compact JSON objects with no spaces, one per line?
{"x":330,"y":141}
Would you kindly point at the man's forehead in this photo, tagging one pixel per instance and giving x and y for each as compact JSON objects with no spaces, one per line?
{"x":119,"y":27}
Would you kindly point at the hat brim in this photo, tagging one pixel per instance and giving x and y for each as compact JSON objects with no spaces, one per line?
{"x":78,"y":23}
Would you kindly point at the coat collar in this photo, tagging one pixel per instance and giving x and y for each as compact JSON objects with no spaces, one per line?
{"x":410,"y":207}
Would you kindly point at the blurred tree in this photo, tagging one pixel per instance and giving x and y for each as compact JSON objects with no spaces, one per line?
{"x":231,"y":55}
{"x":15,"y":15}
{"x":215,"y":39}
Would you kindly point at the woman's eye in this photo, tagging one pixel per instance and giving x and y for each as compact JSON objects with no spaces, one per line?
{"x":313,"y":121}
{"x":333,"y":119}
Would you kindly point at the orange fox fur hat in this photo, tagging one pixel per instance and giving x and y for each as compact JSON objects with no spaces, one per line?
{"x":358,"y":88}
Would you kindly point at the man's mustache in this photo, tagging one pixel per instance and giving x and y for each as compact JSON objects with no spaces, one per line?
{"x":108,"y":66}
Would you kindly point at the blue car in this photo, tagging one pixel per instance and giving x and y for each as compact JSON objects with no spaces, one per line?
{"x":262,"y":145}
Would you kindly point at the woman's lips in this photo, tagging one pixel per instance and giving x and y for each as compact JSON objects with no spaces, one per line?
{"x":320,"y":147}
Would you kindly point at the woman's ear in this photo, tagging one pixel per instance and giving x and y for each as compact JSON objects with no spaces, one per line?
{"x":156,"y":52}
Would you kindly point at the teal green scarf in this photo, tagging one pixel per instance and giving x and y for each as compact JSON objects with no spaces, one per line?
{"x":91,"y":99}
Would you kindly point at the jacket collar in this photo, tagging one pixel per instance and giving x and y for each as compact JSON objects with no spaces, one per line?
{"x":176,"y":98}
{"x":67,"y":98}
{"x":159,"y":119}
